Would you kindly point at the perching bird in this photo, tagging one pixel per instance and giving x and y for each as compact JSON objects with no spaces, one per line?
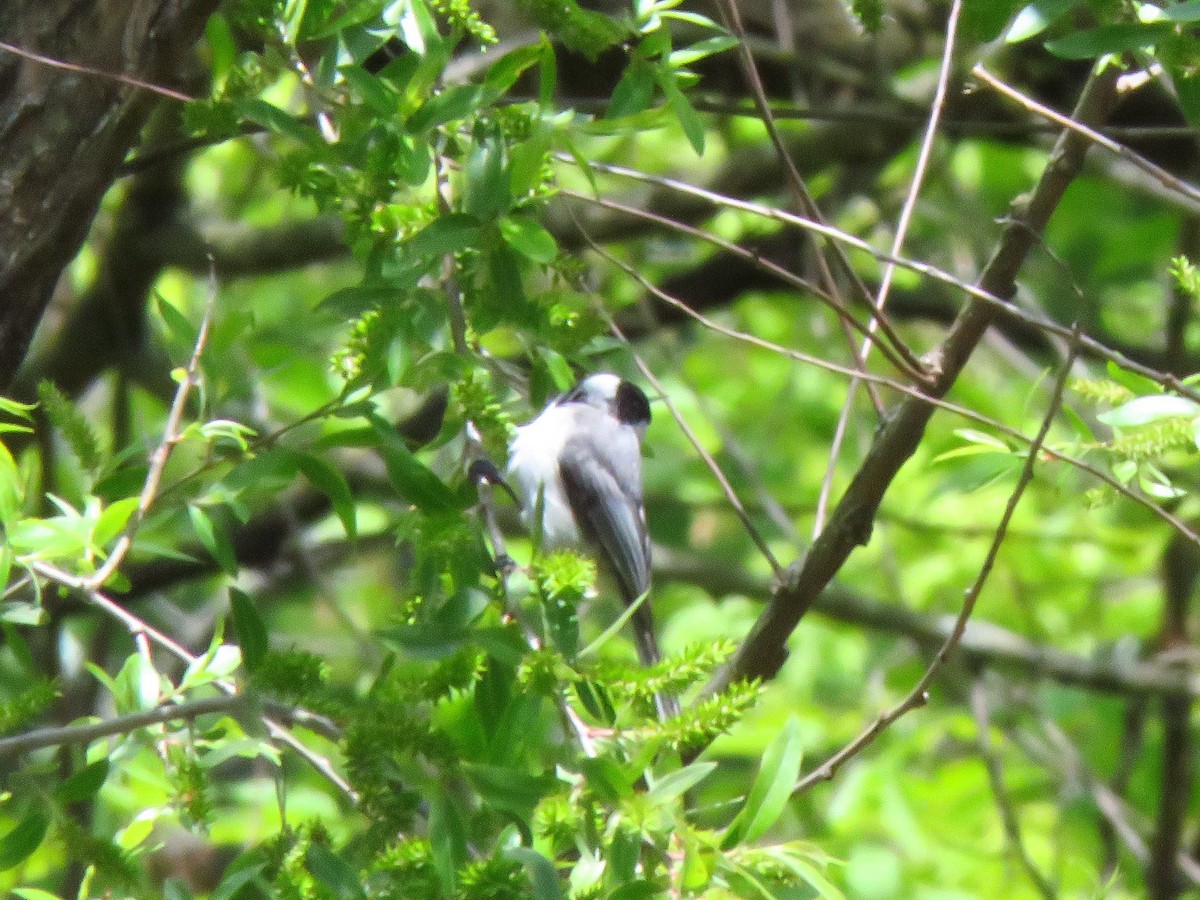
{"x":583,"y":455}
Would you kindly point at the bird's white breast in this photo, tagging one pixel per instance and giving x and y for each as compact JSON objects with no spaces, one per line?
{"x":533,"y":466}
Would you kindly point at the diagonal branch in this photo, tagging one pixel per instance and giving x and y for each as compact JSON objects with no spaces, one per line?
{"x":919,"y":695}
{"x":889,"y":270}
{"x":162,"y":453}
{"x":763,"y":652}
{"x":1004,"y":801}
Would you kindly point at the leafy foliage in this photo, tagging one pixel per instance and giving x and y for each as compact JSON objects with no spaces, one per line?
{"x":312,"y":654}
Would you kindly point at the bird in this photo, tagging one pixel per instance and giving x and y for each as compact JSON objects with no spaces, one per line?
{"x":579,"y":464}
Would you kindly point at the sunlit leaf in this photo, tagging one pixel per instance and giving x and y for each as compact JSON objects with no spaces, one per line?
{"x":1145,"y":410}
{"x":25,"y":837}
{"x":773,"y":785}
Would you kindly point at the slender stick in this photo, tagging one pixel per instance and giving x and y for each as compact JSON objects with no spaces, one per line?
{"x":138,"y":627}
{"x":1167,"y":179}
{"x":91,"y":70}
{"x":1004,"y":801}
{"x":713,"y":466}
{"x":85,"y":734}
{"x":162,"y":453}
{"x":919,"y":695}
{"x":889,"y":269}
{"x":974,"y":291}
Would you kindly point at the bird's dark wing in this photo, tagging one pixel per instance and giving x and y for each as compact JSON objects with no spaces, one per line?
{"x":608,"y":510}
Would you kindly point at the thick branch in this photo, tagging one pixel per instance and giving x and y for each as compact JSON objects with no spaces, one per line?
{"x":763,"y":651}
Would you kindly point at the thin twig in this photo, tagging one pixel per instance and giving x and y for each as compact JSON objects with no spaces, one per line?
{"x":162,"y":453}
{"x":784,"y":275}
{"x":1004,"y":802}
{"x":1167,"y":179}
{"x":1124,"y":490}
{"x":974,"y":291}
{"x":1065,"y":757}
{"x":137,"y":626}
{"x":803,"y":199}
{"x":91,"y":70}
{"x":889,"y":269}
{"x":85,"y":734}
{"x":919,"y":695}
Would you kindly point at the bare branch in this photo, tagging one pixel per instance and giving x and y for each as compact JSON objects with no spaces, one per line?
{"x":889,"y":269}
{"x":995,"y":299}
{"x":763,"y":651}
{"x":162,"y":453}
{"x":1004,"y":802}
{"x":919,"y":695}
{"x":85,"y":734}
{"x":726,"y":487}
{"x":1168,"y":180}
{"x":137,"y":626}
{"x":99,"y":73}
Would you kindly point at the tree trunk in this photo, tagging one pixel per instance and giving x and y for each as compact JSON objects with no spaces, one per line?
{"x":63,"y":133}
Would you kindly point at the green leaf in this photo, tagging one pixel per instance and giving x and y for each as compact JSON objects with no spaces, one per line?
{"x":235,"y":881}
{"x":1036,"y":18}
{"x":418,"y":28}
{"x":596,"y":701}
{"x":60,"y":537}
{"x":771,"y":789}
{"x":675,"y":784}
{"x":503,"y":73}
{"x":137,"y":685}
{"x":11,"y":490}
{"x":375,"y":92}
{"x":15,"y":408}
{"x":113,"y":520}
{"x":214,"y":540}
{"x":84,"y":783}
{"x":249,"y":627}
{"x":1137,"y":384}
{"x":509,"y":789}
{"x":543,"y":876}
{"x":529,"y":238}
{"x":527,"y":164}
{"x":809,"y":874}
{"x":689,"y":120}
{"x":26,"y":836}
{"x":701,"y":49}
{"x":20,"y":613}
{"x":447,"y":234}
{"x":329,"y":480}
{"x":408,"y":475}
{"x":1116,"y":38}
{"x":277,"y":121}
{"x":547,"y":75}
{"x":486,"y":190}
{"x":447,"y":839}
{"x":1145,"y":410}
{"x":450,"y":105}
{"x":607,"y":778}
{"x":634,"y":91}
{"x":333,"y":872}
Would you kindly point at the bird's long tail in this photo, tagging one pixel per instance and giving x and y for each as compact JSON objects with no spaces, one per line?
{"x":649,"y":654}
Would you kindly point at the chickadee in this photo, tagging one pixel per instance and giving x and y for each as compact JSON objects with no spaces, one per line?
{"x":583,"y":456}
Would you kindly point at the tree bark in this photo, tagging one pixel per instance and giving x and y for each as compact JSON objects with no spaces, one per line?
{"x":64,"y":133}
